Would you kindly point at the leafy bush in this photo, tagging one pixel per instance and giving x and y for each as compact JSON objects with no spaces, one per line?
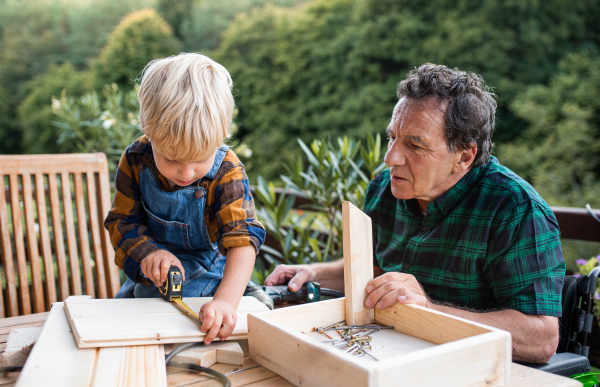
{"x":99,"y":122}
{"x":584,"y":267}
{"x":335,"y":173}
{"x":140,"y":37}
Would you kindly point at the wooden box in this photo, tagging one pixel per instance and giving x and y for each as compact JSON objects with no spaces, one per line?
{"x":459,"y":352}
{"x":425,"y":348}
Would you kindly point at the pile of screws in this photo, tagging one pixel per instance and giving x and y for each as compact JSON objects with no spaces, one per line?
{"x":355,"y":339}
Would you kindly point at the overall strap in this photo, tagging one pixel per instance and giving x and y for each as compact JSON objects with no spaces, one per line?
{"x":219,"y":157}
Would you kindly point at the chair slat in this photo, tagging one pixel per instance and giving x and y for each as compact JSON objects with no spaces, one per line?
{"x":96,"y":239}
{"x":11,"y":304}
{"x":32,"y":246}
{"x":112,"y":271}
{"x":40,"y":194}
{"x":59,"y":246}
{"x":71,"y":238}
{"x":15,"y":207}
{"x":84,"y":242}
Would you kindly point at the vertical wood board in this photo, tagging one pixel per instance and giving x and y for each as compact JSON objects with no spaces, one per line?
{"x":134,"y":366}
{"x":358,"y":263}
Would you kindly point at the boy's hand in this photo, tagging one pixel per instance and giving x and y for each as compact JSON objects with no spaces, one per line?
{"x":218,"y":319}
{"x":156,"y":266}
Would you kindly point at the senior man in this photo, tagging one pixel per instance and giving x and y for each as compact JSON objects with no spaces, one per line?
{"x":453,"y":230}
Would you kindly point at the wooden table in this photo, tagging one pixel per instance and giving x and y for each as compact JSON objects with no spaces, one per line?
{"x":251,"y":374}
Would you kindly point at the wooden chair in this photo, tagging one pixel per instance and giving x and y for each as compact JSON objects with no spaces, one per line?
{"x":39,"y":263}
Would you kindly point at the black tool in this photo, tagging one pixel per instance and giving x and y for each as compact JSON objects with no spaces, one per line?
{"x":273,"y":295}
{"x":172,"y":289}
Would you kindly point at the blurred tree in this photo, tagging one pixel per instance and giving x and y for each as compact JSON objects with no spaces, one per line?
{"x":176,"y":12}
{"x":141,"y":37}
{"x":35,"y":112}
{"x":331,"y":67}
{"x":559,"y":153}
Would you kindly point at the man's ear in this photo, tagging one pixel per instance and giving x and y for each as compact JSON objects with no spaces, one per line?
{"x":466,"y":158}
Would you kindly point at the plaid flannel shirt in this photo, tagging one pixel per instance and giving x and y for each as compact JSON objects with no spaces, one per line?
{"x":229,"y":212}
{"x":490,"y":242}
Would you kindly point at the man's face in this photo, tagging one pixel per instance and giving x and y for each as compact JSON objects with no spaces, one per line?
{"x":421,"y":165}
{"x":182,"y":174}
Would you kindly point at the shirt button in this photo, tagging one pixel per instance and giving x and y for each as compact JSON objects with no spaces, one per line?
{"x":407,"y":265}
{"x":425,"y":229}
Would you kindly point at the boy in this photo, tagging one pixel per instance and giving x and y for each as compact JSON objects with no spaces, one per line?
{"x":182,"y":198}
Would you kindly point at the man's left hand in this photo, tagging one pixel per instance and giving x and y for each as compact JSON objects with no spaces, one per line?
{"x":392,"y":287}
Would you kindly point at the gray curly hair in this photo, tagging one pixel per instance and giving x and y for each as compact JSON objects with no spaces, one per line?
{"x":468,"y":103}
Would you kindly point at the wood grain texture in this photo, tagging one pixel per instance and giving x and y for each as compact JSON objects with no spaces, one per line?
{"x":358,"y":263}
{"x":72,"y":259}
{"x":227,"y":352}
{"x":11,"y":303}
{"x":135,"y":366}
{"x":19,"y":344}
{"x":55,"y":359}
{"x":120,"y":322}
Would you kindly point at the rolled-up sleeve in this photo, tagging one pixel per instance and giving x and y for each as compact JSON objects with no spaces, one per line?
{"x":232,"y":218}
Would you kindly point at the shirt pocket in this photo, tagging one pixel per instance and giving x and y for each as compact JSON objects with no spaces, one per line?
{"x":169,"y":233}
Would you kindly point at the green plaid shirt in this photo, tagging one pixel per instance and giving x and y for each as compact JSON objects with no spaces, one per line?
{"x":490,"y":242}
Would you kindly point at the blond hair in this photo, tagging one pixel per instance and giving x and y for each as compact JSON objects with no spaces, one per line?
{"x":186,"y":106}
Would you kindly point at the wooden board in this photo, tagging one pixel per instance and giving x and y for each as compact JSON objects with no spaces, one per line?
{"x":358,"y":263}
{"x":56,"y":361}
{"x":227,"y":352}
{"x":123,"y":322}
{"x":462,"y":353}
{"x":19,"y":345}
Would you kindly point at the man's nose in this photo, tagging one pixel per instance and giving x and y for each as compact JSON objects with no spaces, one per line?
{"x":395,"y":155}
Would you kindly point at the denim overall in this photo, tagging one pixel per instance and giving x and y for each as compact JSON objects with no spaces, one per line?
{"x":175,"y":220}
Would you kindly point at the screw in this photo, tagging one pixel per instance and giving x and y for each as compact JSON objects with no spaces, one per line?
{"x":337,"y":324}
{"x":323,"y":332}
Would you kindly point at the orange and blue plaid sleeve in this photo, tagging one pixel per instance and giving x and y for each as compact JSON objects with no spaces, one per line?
{"x":126,"y":221}
{"x":232,"y":216}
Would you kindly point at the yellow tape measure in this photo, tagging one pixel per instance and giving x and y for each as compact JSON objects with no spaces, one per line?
{"x":172,"y":290}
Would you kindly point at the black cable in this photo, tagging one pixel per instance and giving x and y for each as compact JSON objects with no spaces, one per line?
{"x":331,"y":293}
{"x":219,"y":376}
{"x":11,"y":369}
{"x":589,"y":208}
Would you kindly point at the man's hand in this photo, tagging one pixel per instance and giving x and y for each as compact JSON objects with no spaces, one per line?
{"x":156,"y":266}
{"x":392,"y":287}
{"x":218,"y":319}
{"x":297,"y":275}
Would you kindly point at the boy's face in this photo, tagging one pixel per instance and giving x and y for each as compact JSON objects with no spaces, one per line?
{"x":182,"y":174}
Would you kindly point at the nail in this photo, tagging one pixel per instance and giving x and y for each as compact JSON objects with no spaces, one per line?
{"x":401,"y":298}
{"x":368,"y":303}
{"x":293,"y":286}
{"x":369,"y":288}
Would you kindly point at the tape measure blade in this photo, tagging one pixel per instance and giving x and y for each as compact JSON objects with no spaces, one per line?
{"x":187,"y":308}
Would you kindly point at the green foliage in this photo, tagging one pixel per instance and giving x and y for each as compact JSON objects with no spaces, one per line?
{"x":35,"y":112}
{"x":584,"y":268}
{"x":176,"y":12}
{"x":106,"y":122}
{"x":140,"y":37}
{"x":559,"y":153}
{"x":332,"y":66}
{"x":334,"y":174}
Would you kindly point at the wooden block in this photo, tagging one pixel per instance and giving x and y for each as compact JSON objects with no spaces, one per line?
{"x":227,"y":352}
{"x":19,"y":345}
{"x":358,"y":263}
{"x":55,"y":359}
{"x":122,"y":322}
{"x":142,"y":365}
{"x":462,"y":352}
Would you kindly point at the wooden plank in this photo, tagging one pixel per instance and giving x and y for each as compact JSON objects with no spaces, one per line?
{"x":228,"y":352}
{"x":96,"y":239}
{"x":131,"y":366}
{"x":358,"y":263}
{"x":105,"y":203}
{"x":84,"y":243}
{"x":15,"y":207}
{"x":11,"y":303}
{"x":121,"y":322}
{"x":49,"y":366}
{"x":19,"y":344}
{"x":59,"y":247}
{"x":304,"y":318}
{"x":15,"y":322}
{"x":50,"y":284}
{"x":429,"y":324}
{"x":577,"y":223}
{"x":71,"y":239}
{"x":75,"y":162}
{"x":32,"y":246}
{"x":522,"y":376}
